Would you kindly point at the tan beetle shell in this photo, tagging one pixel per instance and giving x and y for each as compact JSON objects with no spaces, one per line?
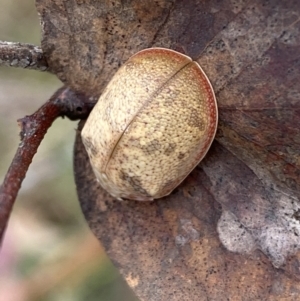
{"x":153,"y":124}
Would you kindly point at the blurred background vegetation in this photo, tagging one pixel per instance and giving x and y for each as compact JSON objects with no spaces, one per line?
{"x":48,"y":252}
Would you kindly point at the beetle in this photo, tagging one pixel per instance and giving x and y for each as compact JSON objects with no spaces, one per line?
{"x":154,"y":122}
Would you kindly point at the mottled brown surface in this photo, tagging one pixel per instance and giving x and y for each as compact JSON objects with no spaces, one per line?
{"x":86,"y":41}
{"x":169,"y":249}
{"x":244,"y":196}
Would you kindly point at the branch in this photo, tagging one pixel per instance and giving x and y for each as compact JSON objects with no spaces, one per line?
{"x":64,"y":102}
{"x":22,"y":55}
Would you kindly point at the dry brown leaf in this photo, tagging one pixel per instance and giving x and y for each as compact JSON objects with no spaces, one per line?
{"x":231,"y":230}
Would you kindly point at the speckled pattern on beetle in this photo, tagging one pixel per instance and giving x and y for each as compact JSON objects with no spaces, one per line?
{"x":154,"y":122}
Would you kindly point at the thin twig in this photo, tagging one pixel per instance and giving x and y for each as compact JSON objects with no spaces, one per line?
{"x":22,"y":55}
{"x":64,"y":102}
